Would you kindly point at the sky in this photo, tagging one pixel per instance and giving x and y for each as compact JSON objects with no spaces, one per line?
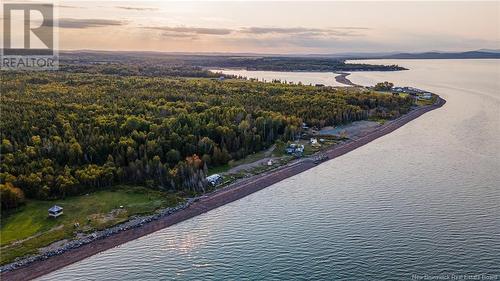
{"x":299,"y":27}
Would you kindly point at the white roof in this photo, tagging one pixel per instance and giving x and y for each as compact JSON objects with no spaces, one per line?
{"x":214,"y":177}
{"x":55,"y":209}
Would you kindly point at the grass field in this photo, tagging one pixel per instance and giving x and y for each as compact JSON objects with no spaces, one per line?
{"x":234,"y":163}
{"x":249,"y":159}
{"x":28,"y":228}
{"x":426,"y":102}
{"x":218,"y":169}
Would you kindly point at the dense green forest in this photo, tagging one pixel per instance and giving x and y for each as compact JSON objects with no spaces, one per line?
{"x":66,"y":133}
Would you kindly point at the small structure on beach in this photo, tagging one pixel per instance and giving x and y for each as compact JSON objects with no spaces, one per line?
{"x":314,"y":142}
{"x":424,"y":96}
{"x":55,"y":211}
{"x":295,"y":149}
{"x":409,"y":90}
{"x":214,"y":179}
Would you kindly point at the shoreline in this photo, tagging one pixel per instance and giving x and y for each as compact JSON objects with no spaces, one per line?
{"x":342,"y":79}
{"x":210,"y":201}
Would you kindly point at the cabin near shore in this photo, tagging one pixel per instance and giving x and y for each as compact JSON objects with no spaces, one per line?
{"x":55,"y":211}
{"x":295,"y":149}
{"x":215,"y":179}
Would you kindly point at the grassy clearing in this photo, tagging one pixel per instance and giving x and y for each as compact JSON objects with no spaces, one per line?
{"x":279,"y":150}
{"x":233,"y":163}
{"x":218,"y":169}
{"x":310,"y":150}
{"x":379,"y":120}
{"x":249,"y":159}
{"x":426,"y":102}
{"x":28,"y":228}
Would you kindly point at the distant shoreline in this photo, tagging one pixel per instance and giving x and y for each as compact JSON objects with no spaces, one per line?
{"x":342,"y":79}
{"x":208,"y":202}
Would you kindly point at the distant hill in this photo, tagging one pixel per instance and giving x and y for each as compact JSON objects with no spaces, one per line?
{"x":481,"y":54}
{"x":489,"y":50}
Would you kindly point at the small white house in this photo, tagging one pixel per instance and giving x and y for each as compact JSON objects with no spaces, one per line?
{"x":270,"y":162}
{"x":214,"y":179}
{"x":55,"y":211}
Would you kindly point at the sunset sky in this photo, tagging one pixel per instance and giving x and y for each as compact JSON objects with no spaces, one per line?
{"x":279,"y":27}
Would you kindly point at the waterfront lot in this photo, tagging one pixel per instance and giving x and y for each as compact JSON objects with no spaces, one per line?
{"x":28,"y":228}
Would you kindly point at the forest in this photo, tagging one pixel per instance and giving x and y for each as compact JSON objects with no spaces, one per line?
{"x":71,"y":132}
{"x":322,"y":64}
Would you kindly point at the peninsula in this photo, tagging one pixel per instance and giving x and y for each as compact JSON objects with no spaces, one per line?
{"x":232,"y":121}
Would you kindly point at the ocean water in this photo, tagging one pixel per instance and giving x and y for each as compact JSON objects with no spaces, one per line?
{"x":421,"y":202}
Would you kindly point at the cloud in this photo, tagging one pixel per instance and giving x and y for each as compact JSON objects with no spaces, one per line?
{"x":269,"y":37}
{"x":136,"y":8}
{"x":70,"y":7}
{"x":281,"y":30}
{"x":180,"y":36}
{"x":303,"y":44}
{"x":88,"y":23}
{"x":246,"y":31}
{"x":335,"y":31}
{"x":192,"y":30}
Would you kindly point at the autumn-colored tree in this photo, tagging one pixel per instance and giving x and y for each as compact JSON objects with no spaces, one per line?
{"x":10,"y":196}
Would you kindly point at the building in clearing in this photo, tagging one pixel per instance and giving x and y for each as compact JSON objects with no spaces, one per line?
{"x":425,"y":96}
{"x":214,"y":179}
{"x":55,"y":211}
{"x":295,"y":149}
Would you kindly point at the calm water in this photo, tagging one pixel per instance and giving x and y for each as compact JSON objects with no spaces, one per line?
{"x":422,"y":200}
{"x":306,"y":78}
